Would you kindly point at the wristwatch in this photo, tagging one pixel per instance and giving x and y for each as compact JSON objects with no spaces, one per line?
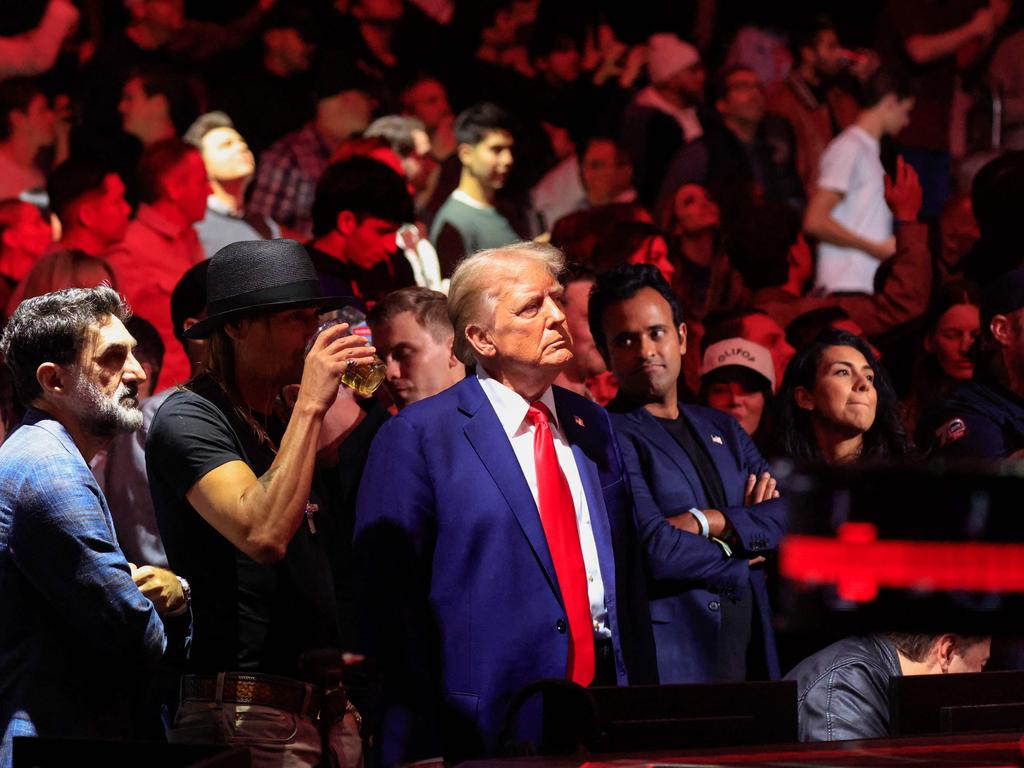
{"x":186,"y":590}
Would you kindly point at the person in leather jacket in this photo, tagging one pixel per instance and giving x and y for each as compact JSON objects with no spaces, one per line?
{"x":843,"y":690}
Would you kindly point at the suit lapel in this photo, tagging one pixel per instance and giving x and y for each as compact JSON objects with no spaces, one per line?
{"x":583,"y":444}
{"x":667,"y":445}
{"x":491,"y":444}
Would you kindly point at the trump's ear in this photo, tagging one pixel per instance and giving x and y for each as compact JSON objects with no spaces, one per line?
{"x":480,"y":339}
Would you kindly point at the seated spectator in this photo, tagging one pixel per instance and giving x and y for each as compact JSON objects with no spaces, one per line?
{"x":758,"y":327}
{"x":360,"y":204}
{"x":24,"y":238}
{"x":843,"y":690}
{"x":161,"y":243}
{"x":27,"y":126}
{"x":606,"y":172}
{"x":836,"y":405}
{"x":738,"y":377}
{"x":586,"y":374}
{"x":663,"y":117}
{"x":289,"y":170}
{"x":157,"y":103}
{"x":88,"y":200}
{"x":469,"y":221}
{"x":811,"y":99}
{"x":408,"y":139}
{"x":958,"y":232}
{"x":769,"y":250}
{"x":413,"y":335}
{"x":984,"y":417}
{"x":229,"y":167}
{"x":847,"y":211}
{"x":709,"y":604}
{"x":706,"y":281}
{"x":765,"y":163}
{"x":426,"y":99}
{"x":62,"y":269}
{"x":950,"y":331}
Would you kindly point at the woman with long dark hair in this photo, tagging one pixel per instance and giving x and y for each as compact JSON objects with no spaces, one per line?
{"x":836,"y":404}
{"x":951,"y":328}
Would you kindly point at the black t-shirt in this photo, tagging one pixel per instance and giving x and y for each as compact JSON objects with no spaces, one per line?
{"x":246,"y":616}
{"x":736,"y":611}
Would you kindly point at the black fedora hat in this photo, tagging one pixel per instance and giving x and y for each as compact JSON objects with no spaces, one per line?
{"x":257,"y":277}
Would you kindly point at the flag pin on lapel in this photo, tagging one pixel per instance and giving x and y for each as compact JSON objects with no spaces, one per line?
{"x":579,"y":421}
{"x":717,"y":439}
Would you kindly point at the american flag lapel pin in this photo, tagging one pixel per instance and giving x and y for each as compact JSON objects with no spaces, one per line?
{"x":579,"y":421}
{"x":717,"y":439}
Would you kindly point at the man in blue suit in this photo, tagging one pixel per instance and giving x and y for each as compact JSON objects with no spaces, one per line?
{"x":707,"y":509}
{"x":495,"y":541}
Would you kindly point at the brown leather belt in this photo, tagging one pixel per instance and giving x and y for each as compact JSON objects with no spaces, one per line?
{"x":262,"y":690}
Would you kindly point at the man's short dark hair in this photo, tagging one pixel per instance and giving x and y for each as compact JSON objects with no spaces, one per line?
{"x":181,"y":92}
{"x":364,"y":186}
{"x":806,"y":36}
{"x":805,"y":328}
{"x":623,"y":283}
{"x":51,"y":329}
{"x":884,"y":82}
{"x":15,"y":95}
{"x":70,"y":181}
{"x":149,"y":347}
{"x":474,"y":124}
{"x":397,"y":131}
{"x":430,"y":308}
{"x":916,"y":647}
{"x":758,"y":244}
{"x":158,"y":160}
{"x":719,"y":326}
{"x":188,"y":299}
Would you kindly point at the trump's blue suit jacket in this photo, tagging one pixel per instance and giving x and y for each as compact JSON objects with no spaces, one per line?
{"x":688,"y":573}
{"x":458,"y":598}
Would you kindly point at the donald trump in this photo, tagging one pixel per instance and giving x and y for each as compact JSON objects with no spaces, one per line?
{"x":494,"y":528}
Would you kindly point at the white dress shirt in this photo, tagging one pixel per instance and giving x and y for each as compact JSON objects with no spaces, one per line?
{"x":511,"y":409}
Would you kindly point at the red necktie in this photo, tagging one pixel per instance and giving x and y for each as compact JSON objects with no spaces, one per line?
{"x":558,"y":517}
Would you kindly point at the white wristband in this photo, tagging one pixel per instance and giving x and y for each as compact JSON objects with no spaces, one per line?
{"x":705,"y":529}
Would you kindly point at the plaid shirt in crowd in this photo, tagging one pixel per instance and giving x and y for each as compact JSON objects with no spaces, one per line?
{"x":286,"y":179}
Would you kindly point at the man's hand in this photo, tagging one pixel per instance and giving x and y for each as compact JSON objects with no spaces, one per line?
{"x":326,"y":361}
{"x":759,"y":489}
{"x":903,"y":193}
{"x":161,"y":587}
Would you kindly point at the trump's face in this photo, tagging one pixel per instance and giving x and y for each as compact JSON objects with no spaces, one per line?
{"x":529,"y":329}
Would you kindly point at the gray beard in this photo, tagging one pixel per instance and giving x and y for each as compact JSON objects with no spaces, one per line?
{"x":102,"y":415}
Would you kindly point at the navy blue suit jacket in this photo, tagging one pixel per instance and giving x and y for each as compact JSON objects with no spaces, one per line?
{"x":687,"y":572}
{"x":459,"y":602}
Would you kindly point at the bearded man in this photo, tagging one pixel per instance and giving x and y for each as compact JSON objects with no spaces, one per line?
{"x":81,"y":629}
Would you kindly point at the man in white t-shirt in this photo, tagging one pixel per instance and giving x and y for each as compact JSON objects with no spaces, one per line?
{"x":847,"y":212}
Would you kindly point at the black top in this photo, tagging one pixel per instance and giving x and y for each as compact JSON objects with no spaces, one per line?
{"x":736,"y":610}
{"x":340,"y":278}
{"x":247,"y":616}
